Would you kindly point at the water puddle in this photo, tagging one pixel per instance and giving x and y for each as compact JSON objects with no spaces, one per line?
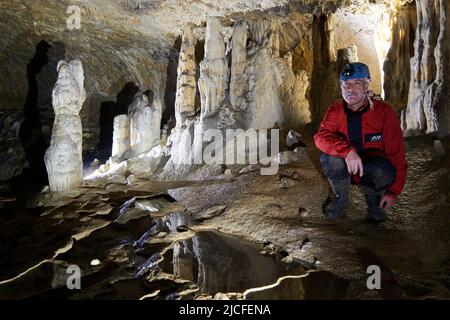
{"x":218,"y":263}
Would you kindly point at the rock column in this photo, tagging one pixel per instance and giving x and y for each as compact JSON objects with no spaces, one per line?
{"x":238,"y":81}
{"x":186,"y":84}
{"x":63,"y":158}
{"x":213,"y":69}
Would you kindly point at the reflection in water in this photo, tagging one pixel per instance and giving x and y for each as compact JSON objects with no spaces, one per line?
{"x":220,"y":263}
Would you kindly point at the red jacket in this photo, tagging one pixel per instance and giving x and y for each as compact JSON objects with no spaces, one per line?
{"x":333,"y":138}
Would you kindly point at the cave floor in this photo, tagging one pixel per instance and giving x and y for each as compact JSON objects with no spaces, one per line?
{"x":234,"y":235}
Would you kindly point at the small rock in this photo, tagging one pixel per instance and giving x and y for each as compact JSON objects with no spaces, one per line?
{"x":95,"y":262}
{"x":300,"y":154}
{"x":263,"y":252}
{"x":304,"y":213}
{"x":249,"y":168}
{"x":294,"y":139}
{"x":287,"y":259}
{"x":286,"y":182}
{"x":228,"y":173}
{"x":286,"y":157}
{"x":45,"y":189}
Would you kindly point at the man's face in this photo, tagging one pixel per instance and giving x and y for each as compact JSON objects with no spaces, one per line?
{"x":353,"y":90}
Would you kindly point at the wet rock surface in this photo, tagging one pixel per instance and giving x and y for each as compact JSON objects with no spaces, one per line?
{"x":242,"y":237}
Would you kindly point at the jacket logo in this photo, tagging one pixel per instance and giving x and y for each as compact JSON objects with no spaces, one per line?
{"x":374,"y":137}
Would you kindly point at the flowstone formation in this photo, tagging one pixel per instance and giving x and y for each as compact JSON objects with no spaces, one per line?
{"x":145,"y":124}
{"x":246,"y":80}
{"x":63,"y":158}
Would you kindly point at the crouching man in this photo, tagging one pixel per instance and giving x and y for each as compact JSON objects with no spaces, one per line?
{"x":362,"y":143}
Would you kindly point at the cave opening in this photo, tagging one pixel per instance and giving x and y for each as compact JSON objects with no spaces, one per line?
{"x":109,"y":110}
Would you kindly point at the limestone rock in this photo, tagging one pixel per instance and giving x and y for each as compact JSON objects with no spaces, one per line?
{"x":63,"y":158}
{"x":121,"y":135}
{"x":145,"y":123}
{"x":428,"y":100}
{"x":286,"y":182}
{"x":182,"y":140}
{"x":238,"y":62}
{"x":294,"y":139}
{"x":148,"y":163}
{"x":213,"y":69}
{"x":286,"y":157}
{"x":265,"y":78}
{"x":396,"y":67}
{"x":186,"y":83}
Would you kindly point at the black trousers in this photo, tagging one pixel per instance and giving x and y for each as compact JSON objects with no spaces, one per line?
{"x":378,"y":171}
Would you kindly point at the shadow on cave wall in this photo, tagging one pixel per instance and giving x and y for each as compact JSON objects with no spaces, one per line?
{"x":168,"y":116}
{"x":35,"y":132}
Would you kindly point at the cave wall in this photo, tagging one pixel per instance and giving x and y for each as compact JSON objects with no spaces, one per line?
{"x":397,"y":72}
{"x":428,"y":108}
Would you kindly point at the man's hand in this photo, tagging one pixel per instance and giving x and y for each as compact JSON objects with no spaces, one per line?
{"x":387,"y":201}
{"x":354,"y":163}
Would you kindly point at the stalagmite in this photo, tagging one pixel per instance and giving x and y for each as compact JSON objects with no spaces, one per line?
{"x":428,"y":100}
{"x":121,"y":135}
{"x":213,"y":69}
{"x":63,"y":158}
{"x":238,"y":61}
{"x":145,"y":123}
{"x":186,"y":84}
